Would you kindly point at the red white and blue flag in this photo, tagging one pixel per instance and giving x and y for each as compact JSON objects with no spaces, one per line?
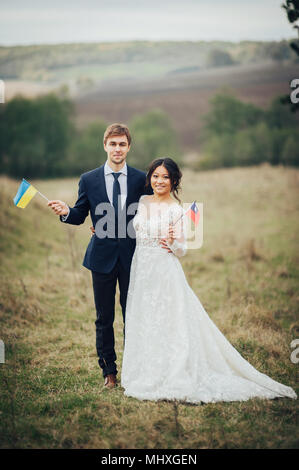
{"x":193,"y":213}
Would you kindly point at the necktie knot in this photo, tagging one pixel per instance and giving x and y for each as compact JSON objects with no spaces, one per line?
{"x":116,"y":176}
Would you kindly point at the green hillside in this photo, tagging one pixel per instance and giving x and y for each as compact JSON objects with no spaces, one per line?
{"x":97,"y":61}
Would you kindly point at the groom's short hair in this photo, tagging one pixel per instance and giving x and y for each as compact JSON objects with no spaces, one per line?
{"x":117,"y":129}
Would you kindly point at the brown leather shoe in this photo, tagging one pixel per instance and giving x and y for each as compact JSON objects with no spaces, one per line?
{"x":110,"y":381}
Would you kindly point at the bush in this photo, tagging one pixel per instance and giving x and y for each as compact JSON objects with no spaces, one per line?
{"x":219,"y":58}
{"x":35,"y":136}
{"x":237,"y":133}
{"x":153,"y":137}
{"x":229,"y":115}
{"x":87,"y":151}
{"x":290,"y":151}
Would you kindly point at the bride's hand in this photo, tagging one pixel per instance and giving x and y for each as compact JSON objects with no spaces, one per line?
{"x":170,"y":237}
{"x":168,"y":241}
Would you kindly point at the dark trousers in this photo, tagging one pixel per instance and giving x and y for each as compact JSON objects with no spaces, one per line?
{"x":104,"y":288}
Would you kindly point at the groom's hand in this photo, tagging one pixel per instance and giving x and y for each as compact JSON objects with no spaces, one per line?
{"x":59,"y":207}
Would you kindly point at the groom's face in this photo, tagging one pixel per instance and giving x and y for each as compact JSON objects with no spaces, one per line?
{"x":117,"y":147}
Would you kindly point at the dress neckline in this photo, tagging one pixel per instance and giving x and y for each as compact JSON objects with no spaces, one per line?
{"x":160,"y":203}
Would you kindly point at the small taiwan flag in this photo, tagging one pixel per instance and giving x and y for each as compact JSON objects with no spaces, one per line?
{"x":193,"y":213}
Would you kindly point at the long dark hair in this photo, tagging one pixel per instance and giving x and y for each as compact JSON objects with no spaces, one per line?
{"x":174,"y":172}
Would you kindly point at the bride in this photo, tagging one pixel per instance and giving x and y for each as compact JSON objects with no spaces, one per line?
{"x":173,"y":350}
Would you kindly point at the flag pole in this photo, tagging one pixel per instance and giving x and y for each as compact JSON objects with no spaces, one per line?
{"x":43,"y":196}
{"x":184,"y":213}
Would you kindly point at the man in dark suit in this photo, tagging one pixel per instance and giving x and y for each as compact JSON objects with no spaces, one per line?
{"x":106,"y":193}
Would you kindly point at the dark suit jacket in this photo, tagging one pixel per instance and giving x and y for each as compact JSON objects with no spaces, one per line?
{"x":102,"y":253}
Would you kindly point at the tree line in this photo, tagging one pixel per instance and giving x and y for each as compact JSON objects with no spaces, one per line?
{"x":241,"y":134}
{"x":39,"y":138}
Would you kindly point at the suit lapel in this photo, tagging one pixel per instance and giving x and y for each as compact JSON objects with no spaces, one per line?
{"x":101,"y":186}
{"x":130,"y":186}
{"x":101,"y":192}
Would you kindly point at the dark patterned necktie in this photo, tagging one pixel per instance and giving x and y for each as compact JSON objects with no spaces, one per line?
{"x":116,"y":192}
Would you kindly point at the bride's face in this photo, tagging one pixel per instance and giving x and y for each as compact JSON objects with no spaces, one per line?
{"x":160,"y":181}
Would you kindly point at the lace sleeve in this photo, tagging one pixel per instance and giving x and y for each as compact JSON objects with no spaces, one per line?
{"x":142,"y":198}
{"x":179,"y":245}
{"x":139,"y":214}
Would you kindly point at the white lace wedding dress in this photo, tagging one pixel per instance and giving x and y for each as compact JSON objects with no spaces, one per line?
{"x":173,"y":350}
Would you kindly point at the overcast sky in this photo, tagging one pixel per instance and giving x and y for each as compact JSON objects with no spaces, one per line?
{"x":57,"y":21}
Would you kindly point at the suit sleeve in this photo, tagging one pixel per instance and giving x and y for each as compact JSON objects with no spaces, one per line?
{"x":79,"y":212}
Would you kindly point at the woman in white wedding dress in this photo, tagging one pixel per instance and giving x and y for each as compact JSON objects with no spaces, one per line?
{"x":173,"y":350}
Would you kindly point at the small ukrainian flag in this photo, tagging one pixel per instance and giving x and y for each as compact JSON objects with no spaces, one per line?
{"x":25,"y":193}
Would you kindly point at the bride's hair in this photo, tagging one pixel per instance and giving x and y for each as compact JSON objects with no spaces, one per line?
{"x":174,"y":172}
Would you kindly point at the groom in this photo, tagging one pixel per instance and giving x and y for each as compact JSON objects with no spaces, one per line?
{"x":114,"y":185}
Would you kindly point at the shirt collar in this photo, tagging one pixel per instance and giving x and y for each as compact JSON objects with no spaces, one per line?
{"x":108,"y":170}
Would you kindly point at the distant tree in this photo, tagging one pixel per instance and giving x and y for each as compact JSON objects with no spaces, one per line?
{"x":290,"y":151}
{"x":244,"y":149}
{"x":87,"y":151}
{"x":238,"y":133}
{"x":219,"y":58}
{"x":84,"y":83}
{"x":228,"y":115}
{"x":279,"y":51}
{"x":35,"y":136}
{"x":153,"y":137}
{"x":218,"y":152}
{"x":292,"y":9}
{"x":278,"y":115}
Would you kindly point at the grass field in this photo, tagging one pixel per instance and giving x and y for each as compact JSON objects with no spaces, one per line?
{"x":245,"y":274}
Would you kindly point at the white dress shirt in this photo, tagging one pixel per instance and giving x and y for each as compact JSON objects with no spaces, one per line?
{"x":109,"y":180}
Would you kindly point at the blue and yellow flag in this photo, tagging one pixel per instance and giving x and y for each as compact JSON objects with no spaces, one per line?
{"x":24,"y":195}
